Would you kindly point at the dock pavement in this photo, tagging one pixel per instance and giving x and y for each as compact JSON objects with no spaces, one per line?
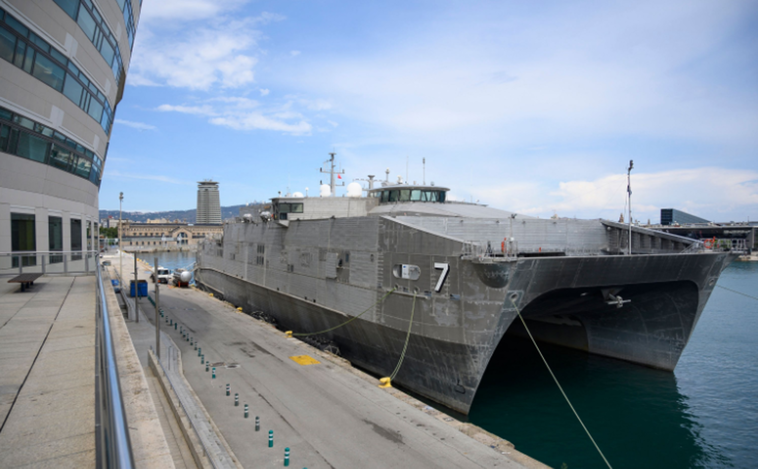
{"x":329,"y":414}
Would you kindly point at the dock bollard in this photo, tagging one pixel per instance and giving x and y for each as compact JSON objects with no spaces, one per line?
{"x":196,"y":344}
{"x":202,"y":360}
{"x":236,"y":399}
{"x":227,"y":389}
{"x":175,"y":326}
{"x":257,"y":423}
{"x":271,"y":438}
{"x":286,"y":457}
{"x":199,"y":351}
{"x":207,"y":364}
{"x":247,"y":413}
{"x":214,"y":373}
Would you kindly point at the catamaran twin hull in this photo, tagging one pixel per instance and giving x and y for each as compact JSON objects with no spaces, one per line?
{"x":571,"y":282}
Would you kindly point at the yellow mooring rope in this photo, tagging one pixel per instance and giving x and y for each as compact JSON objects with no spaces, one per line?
{"x":304,"y":334}
{"x":407,"y":338}
{"x":559,"y":385}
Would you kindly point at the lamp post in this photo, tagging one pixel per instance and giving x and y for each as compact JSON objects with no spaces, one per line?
{"x":629,"y":191}
{"x":120,"y":240}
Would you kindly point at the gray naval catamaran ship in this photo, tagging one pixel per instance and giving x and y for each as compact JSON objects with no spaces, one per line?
{"x":462,"y":270}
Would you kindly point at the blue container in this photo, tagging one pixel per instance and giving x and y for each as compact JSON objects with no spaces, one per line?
{"x":141,"y":289}
{"x":114,"y":283}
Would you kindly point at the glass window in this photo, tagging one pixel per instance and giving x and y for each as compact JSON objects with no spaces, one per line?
{"x":394,"y":196}
{"x":5,"y":114}
{"x":12,"y":141}
{"x":441,"y":196}
{"x":76,"y":238}
{"x":28,"y":60}
{"x":284,"y":208}
{"x":47,"y":71}
{"x":60,"y":157}
{"x":405,"y":195}
{"x":297,"y":208}
{"x":415,"y":195}
{"x":15,"y":24}
{"x":4,"y":136}
{"x":82,"y":167}
{"x":19,"y":60}
{"x":7,"y":43}
{"x":73,"y":90}
{"x":55,"y":235}
{"x":39,"y":42}
{"x":69,"y":6}
{"x":95,"y":110}
{"x":22,"y":232}
{"x":385,"y":196}
{"x":107,"y":51}
{"x":86,"y":23}
{"x":59,"y":57}
{"x":32,"y":147}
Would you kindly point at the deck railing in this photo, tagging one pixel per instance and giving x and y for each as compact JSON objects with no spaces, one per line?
{"x":113,"y":446}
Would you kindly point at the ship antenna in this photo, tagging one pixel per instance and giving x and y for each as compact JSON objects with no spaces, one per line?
{"x":629,"y":192}
{"x":332,"y":172}
{"x":423,"y":164}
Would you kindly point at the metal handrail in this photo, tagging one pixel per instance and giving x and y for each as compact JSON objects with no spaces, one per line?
{"x":116,"y":450}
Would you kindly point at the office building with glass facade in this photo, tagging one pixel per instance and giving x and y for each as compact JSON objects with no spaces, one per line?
{"x":672,"y":216}
{"x":62,"y":73}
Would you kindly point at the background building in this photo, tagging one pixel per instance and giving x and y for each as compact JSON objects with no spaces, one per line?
{"x":208,"y":203}
{"x":671,"y":216}
{"x":62,"y":73}
{"x":170,"y":236}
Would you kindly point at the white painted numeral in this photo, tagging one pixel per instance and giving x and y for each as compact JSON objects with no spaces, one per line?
{"x":445,"y":267}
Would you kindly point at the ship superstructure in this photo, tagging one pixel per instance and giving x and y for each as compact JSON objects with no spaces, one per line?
{"x":463,"y":269}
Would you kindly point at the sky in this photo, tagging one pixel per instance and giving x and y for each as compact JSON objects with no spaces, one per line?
{"x":534,"y":107}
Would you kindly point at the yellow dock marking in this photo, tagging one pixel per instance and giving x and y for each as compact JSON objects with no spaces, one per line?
{"x":304,"y":360}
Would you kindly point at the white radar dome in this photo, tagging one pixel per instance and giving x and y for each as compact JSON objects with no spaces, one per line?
{"x":297,"y":194}
{"x":185,"y":276}
{"x":324,"y":190}
{"x":354,"y":190}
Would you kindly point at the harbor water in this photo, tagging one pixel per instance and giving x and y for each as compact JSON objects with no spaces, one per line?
{"x":704,"y":415}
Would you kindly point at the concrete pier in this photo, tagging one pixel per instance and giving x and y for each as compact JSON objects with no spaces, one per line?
{"x":47,"y":376}
{"x":328,"y":413}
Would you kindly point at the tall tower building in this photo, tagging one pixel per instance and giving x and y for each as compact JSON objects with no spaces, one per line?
{"x":63,"y":67}
{"x":208,"y":203}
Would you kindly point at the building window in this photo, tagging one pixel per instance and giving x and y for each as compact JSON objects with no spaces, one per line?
{"x":23,"y":238}
{"x":76,"y":239}
{"x":55,"y":235}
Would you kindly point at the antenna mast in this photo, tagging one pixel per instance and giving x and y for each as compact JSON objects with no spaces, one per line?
{"x":423,"y":161}
{"x":629,"y":192}
{"x":332,"y":172}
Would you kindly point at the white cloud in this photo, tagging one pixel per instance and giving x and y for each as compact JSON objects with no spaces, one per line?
{"x":201,"y":47}
{"x":294,"y":53}
{"x":135,"y":125}
{"x":264,"y":91}
{"x":199,"y":110}
{"x":256,"y":121}
{"x":709,"y":192}
{"x":241,"y":113}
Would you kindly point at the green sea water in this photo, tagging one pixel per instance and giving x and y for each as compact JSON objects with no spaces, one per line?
{"x":704,"y":415}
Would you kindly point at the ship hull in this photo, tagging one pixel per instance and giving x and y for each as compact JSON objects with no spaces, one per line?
{"x":384,"y":274}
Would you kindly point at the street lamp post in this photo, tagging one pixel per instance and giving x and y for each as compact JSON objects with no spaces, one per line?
{"x":120,"y":240}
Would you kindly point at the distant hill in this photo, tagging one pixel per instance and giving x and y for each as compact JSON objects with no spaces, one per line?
{"x":188,"y":216}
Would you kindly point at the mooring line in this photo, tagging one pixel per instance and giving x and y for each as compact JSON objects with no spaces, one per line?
{"x":407,"y":339}
{"x":559,"y":385}
{"x":304,"y":334}
{"x":738,"y":292}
